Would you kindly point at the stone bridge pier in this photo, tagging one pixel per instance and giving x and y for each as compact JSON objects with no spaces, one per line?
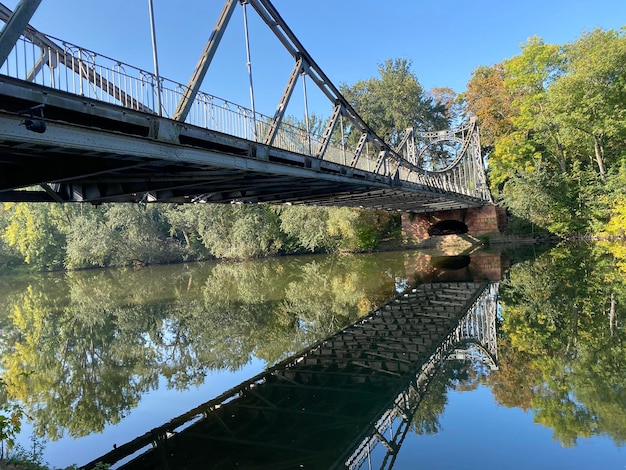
{"x":476,"y":221}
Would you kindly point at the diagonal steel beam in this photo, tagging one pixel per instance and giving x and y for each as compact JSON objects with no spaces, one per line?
{"x":284,"y":100}
{"x":184,"y":106}
{"x":15,"y":26}
{"x":268,"y":13}
{"x":329,"y":130}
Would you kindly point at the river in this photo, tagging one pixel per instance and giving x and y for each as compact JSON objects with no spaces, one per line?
{"x":98,"y":358}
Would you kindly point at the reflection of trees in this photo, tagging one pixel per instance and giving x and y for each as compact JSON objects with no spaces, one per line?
{"x":79,"y":351}
{"x":563,"y":354}
{"x":62,"y":368}
{"x":455,"y":373}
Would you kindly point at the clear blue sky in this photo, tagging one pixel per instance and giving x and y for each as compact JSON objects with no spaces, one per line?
{"x":444,"y":39}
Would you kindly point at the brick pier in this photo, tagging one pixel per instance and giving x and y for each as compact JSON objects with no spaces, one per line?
{"x":474,"y":221}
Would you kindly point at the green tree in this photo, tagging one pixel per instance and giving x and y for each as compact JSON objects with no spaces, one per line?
{"x":239,"y":231}
{"x":308,"y":226}
{"x":38,"y":233}
{"x":395,"y":101}
{"x":589,"y":98}
{"x":120,"y":235}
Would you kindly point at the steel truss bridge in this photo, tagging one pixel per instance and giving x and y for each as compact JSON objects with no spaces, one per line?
{"x":332,"y":404}
{"x":78,"y":126}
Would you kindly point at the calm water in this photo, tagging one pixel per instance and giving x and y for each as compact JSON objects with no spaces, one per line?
{"x":101,"y":357}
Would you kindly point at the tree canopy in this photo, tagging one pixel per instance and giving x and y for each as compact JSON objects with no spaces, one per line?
{"x":395,"y":101}
{"x":553,"y":122}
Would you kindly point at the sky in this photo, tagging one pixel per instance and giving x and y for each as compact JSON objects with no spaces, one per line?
{"x":445,"y":40}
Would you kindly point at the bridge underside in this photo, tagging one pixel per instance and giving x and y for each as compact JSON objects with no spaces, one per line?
{"x":94,"y":152}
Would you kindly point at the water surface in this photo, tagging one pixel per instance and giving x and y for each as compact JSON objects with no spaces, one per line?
{"x":101,"y":357}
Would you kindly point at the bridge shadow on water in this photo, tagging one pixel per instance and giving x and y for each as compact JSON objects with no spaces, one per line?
{"x":330,"y":405}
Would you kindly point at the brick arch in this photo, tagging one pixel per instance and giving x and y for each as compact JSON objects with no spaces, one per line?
{"x":479,"y":220}
{"x":447,"y":227}
{"x":451,"y":263}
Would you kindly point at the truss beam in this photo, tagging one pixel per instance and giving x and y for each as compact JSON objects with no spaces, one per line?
{"x":15,"y":26}
{"x":189,"y":95}
{"x":284,"y":101}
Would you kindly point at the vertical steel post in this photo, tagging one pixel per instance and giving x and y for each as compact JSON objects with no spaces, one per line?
{"x":249,"y":61}
{"x":306,"y":113}
{"x":155,"y":57}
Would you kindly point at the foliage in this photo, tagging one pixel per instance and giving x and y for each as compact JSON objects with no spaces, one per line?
{"x":32,"y":459}
{"x":562,"y":351}
{"x":233,"y":231}
{"x":487,"y":98}
{"x":36,"y":231}
{"x":49,"y":236}
{"x":308,"y":227}
{"x":552,"y":122}
{"x":614,"y":200}
{"x":11,"y":415}
{"x":395,"y":101}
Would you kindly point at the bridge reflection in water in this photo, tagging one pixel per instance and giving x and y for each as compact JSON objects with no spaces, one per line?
{"x":330,"y":405}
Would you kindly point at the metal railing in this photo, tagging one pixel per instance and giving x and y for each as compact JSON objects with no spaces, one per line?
{"x":57,"y":64}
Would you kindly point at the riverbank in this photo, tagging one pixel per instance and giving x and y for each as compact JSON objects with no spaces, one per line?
{"x":453,"y":245}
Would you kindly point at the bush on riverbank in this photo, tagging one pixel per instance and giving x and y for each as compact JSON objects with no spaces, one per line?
{"x":53,"y":236}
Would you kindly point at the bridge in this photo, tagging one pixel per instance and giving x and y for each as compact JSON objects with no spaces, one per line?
{"x":78,"y":126}
{"x":332,"y":404}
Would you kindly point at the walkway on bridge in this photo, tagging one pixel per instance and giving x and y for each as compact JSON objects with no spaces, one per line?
{"x":328,"y":406}
{"x":78,"y":126}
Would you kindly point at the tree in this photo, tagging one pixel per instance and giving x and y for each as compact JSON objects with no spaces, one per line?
{"x":120,"y":235}
{"x":488,"y":99}
{"x":239,"y":231}
{"x":447,"y":97}
{"x":308,"y":226}
{"x":394,"y":102}
{"x":589,"y":99}
{"x":527,"y":78}
{"x":37,"y":231}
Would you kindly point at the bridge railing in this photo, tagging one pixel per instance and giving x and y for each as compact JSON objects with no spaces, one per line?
{"x":72,"y":69}
{"x":57,"y":64}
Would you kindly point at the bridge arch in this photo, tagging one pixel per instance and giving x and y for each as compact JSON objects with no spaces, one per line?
{"x":451,"y":263}
{"x":448,"y":227}
{"x":474,"y":351}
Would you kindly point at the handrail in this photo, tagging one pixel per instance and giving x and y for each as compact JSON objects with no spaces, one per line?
{"x":54,"y":63}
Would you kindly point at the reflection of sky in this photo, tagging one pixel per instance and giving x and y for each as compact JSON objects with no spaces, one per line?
{"x":154,"y":409}
{"x":401,"y":284}
{"x":479,"y":434}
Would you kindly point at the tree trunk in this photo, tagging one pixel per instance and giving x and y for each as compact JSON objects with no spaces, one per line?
{"x":612,"y":319}
{"x":599,"y":151}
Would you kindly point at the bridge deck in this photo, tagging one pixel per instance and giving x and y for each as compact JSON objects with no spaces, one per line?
{"x":96,"y":152}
